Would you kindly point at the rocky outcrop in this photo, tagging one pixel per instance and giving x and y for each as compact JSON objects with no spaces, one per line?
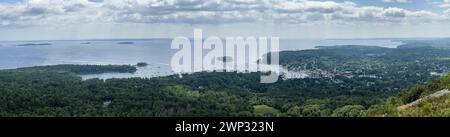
{"x":419,"y":101}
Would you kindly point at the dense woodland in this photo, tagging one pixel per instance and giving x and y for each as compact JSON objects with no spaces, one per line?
{"x":345,"y":81}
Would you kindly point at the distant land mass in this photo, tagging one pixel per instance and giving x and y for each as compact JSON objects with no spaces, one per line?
{"x":85,"y":43}
{"x":125,"y":43}
{"x":35,"y":44}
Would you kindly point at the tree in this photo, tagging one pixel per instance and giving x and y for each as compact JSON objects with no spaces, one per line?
{"x":349,"y":111}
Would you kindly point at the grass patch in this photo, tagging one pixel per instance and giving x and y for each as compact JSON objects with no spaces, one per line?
{"x":262,"y":110}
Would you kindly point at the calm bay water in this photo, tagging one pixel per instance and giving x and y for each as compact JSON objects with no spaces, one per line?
{"x":155,"y":52}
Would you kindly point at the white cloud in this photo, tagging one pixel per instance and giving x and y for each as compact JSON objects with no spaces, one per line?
{"x":399,"y":1}
{"x":444,"y":4}
{"x":49,"y":12}
{"x":54,"y":12}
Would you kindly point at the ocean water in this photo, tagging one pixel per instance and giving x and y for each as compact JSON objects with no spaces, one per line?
{"x":156,"y":52}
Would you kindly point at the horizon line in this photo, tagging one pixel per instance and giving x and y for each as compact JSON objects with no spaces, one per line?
{"x":143,"y":39}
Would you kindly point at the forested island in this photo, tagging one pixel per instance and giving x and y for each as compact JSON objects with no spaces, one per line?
{"x":35,"y":44}
{"x":343,"y":81}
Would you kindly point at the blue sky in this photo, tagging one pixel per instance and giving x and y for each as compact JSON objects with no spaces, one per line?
{"x":10,"y":1}
{"x":91,"y":19}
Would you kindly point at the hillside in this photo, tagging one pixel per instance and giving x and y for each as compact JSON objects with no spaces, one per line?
{"x":426,"y":100}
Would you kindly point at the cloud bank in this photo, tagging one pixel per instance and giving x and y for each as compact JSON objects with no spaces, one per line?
{"x":57,"y":12}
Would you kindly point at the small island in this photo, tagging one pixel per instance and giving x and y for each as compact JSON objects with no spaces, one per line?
{"x":142,"y":64}
{"x":225,"y":59}
{"x":35,"y":44}
{"x":125,"y":43}
{"x":85,"y":43}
